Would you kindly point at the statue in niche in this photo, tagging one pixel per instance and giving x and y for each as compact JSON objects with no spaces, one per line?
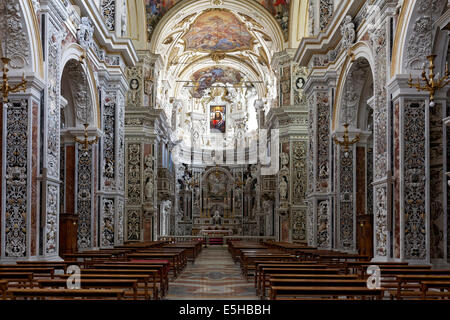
{"x":149,"y":188}
{"x":283,"y":188}
{"x":217,"y":219}
{"x":196,"y":196}
{"x":238,"y":199}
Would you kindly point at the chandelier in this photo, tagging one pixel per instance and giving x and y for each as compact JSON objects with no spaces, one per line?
{"x":85,"y":142}
{"x":431,"y":84}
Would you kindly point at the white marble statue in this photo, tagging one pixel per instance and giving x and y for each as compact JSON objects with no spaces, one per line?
{"x":216,"y":217}
{"x":283,"y":189}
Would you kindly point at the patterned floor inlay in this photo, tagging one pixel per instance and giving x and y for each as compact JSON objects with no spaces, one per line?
{"x":214,"y":276}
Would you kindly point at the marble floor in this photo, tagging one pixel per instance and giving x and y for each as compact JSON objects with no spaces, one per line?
{"x":213,"y":276}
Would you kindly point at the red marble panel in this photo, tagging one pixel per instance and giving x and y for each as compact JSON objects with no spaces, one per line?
{"x":147,"y":230}
{"x":70,"y":180}
{"x":396,"y":181}
{"x":34,"y":182}
{"x":360,"y":180}
{"x":1,"y":166}
{"x":284,"y":230}
{"x":147,"y":149}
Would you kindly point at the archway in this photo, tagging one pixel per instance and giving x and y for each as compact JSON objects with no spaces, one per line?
{"x":76,"y":192}
{"x":354,"y":165}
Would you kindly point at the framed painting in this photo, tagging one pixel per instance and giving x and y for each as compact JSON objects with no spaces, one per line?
{"x":217,"y":119}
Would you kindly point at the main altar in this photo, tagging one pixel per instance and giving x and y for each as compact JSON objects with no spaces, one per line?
{"x":217,"y":201}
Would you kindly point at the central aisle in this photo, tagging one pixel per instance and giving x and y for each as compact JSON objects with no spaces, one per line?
{"x":214,"y":276}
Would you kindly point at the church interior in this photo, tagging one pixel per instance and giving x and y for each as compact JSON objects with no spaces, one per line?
{"x":225,"y":149}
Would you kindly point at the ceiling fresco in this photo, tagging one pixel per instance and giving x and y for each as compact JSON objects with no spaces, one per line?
{"x":280,"y":10}
{"x":206,"y":77}
{"x":218,"y":30}
{"x":156,"y":9}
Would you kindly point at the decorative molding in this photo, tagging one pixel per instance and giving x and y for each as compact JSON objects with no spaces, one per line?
{"x":84,"y":195}
{"x":16,"y":180}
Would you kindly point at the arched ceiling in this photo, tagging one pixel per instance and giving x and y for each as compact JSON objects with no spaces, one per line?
{"x":156,"y":9}
{"x":197,"y":37}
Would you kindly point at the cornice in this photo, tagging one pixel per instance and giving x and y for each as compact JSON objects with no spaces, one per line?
{"x":106,"y":38}
{"x":329,"y":38}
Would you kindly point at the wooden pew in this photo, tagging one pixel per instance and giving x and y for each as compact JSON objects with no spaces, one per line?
{"x":260,"y":277}
{"x":407,"y":282}
{"x":266,"y":272}
{"x":182,"y":255}
{"x":340,"y":257}
{"x":193,"y":248}
{"x":159,"y":273}
{"x":360,"y":267}
{"x":65,"y":293}
{"x":3,"y":287}
{"x":164,"y":265}
{"x":47,"y":272}
{"x":248,"y":260}
{"x":324,"y":292}
{"x":296,"y":282}
{"x":88,"y":257}
{"x":174,"y":258}
{"x":21,"y":278}
{"x":93,"y":283}
{"x":145,"y":280}
{"x":150,"y":272}
{"x":425,"y":285}
{"x":49,"y":264}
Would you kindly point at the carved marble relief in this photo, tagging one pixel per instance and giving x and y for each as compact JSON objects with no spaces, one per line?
{"x":299,"y":176}
{"x":134,"y":174}
{"x":285,"y":86}
{"x":310,"y":225}
{"x":107,"y":223}
{"x":436,"y":183}
{"x":120,"y":143}
{"x":149,"y":178}
{"x":414,"y":184}
{"x":419,"y":42}
{"x":325,"y":13}
{"x":16,"y":179}
{"x":311,"y":141}
{"x":299,"y":225}
{"x":109,"y":139}
{"x":84,"y":195}
{"x":108,"y":10}
{"x":120,"y":221}
{"x":133,"y":225}
{"x":53,"y":111}
{"x":323,"y":141}
{"x":51,"y":223}
{"x":18,"y":44}
{"x":80,"y":91}
{"x":380,"y":219}
{"x":378,"y":40}
{"x":323,"y":224}
{"x":85,"y":34}
{"x":346,"y":199}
